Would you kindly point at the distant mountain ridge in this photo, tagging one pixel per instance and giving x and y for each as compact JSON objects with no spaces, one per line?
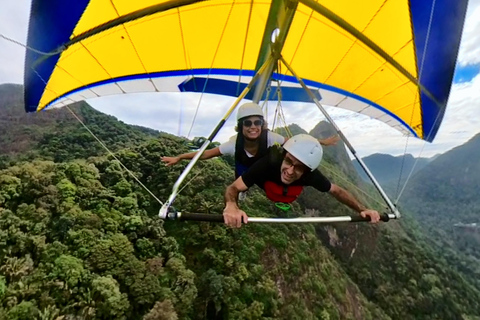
{"x":447,"y":189}
{"x":452,"y":179}
{"x":388,"y":169}
{"x":443,"y":195}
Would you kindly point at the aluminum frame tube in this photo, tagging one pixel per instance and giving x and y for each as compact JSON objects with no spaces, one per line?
{"x":349,"y":145}
{"x":164,"y":209}
{"x":173,"y":215}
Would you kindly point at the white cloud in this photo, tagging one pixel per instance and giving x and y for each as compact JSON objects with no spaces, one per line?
{"x":13,"y":24}
{"x":171,"y":112}
{"x":470,"y":46}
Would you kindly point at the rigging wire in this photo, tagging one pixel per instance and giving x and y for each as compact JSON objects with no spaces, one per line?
{"x":113,"y":155}
{"x":436,"y":119}
{"x":244,"y":47}
{"x":58,"y":51}
{"x":276,"y":117}
{"x":193,"y":178}
{"x":351,"y":184}
{"x":210,"y":69}
{"x":266,"y":101}
{"x":281,"y":115}
{"x":81,"y":122}
{"x":384,"y":196}
{"x":279,"y":108}
{"x":180,"y":116}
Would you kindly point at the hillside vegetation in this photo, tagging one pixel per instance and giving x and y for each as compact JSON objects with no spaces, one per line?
{"x":80,"y":239}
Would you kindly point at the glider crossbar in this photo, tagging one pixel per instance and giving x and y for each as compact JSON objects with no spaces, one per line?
{"x":347,"y":143}
{"x":219,"y":218}
{"x":164,"y":209}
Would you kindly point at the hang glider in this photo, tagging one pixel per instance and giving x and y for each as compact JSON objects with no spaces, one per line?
{"x":392,"y":60}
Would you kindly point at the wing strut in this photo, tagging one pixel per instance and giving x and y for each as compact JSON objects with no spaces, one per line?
{"x":165,"y":208}
{"x":349,"y":145}
{"x":167,"y":211}
{"x":262,"y":76}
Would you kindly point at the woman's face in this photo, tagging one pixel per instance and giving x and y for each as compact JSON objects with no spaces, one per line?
{"x":252,"y":127}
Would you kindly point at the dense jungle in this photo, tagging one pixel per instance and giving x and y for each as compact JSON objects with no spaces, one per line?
{"x":80,"y":237}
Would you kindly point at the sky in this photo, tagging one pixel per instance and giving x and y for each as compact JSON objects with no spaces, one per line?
{"x":174,"y":112}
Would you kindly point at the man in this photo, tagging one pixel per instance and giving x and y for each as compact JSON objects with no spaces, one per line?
{"x":283,"y":178}
{"x":249,"y":145}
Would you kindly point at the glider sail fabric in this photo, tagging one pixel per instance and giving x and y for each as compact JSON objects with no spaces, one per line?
{"x":391,"y":60}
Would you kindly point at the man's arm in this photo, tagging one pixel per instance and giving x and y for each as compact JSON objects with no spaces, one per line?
{"x":346,"y":198}
{"x":208,"y":154}
{"x":232,"y":213}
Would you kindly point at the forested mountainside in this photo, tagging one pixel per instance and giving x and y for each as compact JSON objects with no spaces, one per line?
{"x":443,"y":197}
{"x":80,"y":239}
{"x":56,"y":134}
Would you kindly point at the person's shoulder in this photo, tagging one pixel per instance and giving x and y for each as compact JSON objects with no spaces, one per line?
{"x":275,"y":135}
{"x":310,"y":177}
{"x":317,"y":173}
{"x":274,"y":155}
{"x":228,"y":147}
{"x":230,"y":140}
{"x":274,"y":138}
{"x":318,"y":180}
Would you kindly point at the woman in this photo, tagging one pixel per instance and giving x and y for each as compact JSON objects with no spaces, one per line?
{"x":249,"y":146}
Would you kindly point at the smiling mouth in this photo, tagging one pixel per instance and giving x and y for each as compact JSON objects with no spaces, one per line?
{"x":286,"y":176}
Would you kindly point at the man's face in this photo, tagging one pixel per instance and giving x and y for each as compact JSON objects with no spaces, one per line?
{"x":291,"y":169}
{"x":252,"y":127}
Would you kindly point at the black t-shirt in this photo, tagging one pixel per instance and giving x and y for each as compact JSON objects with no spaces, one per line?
{"x":268,"y":169}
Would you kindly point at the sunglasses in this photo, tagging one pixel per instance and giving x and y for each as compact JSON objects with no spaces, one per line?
{"x":249,"y":123}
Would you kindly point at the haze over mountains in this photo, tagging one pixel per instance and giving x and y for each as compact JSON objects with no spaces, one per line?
{"x":388,"y":169}
{"x":445,"y":193}
{"x":442,"y":194}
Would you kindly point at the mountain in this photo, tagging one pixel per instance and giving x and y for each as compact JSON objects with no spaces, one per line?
{"x":80,"y":238}
{"x":21,"y":131}
{"x":336,"y":154}
{"x":447,"y":188}
{"x":444,"y":196}
{"x":388,"y":170}
{"x":56,"y":134}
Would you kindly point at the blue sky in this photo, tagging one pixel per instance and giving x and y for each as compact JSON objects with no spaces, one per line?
{"x":461,"y":122}
{"x":466,"y":73}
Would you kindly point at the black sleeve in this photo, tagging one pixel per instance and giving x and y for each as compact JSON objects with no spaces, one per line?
{"x":255,"y":172}
{"x":317,"y":180}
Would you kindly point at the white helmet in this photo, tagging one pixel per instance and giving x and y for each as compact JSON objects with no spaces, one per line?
{"x":306,"y":149}
{"x":249,"y":109}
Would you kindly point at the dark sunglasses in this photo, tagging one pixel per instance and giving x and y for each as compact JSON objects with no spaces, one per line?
{"x":248,"y":123}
